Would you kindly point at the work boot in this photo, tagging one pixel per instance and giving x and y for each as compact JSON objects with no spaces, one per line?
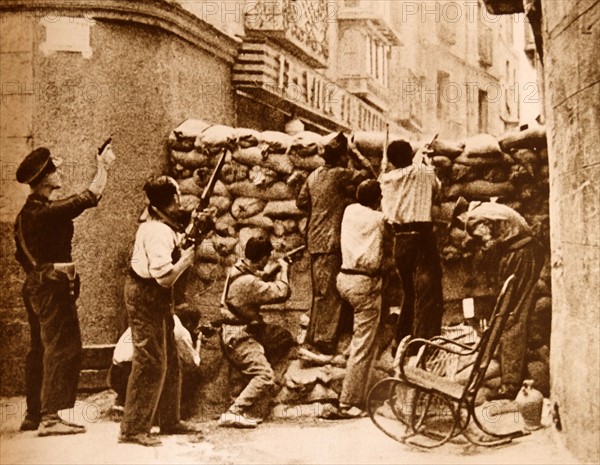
{"x":181,"y":427}
{"x":53,"y":425}
{"x":232,"y":419}
{"x":143,"y":439}
{"x":30,"y":423}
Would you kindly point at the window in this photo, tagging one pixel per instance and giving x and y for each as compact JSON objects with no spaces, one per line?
{"x":443,"y":79}
{"x":482,"y":103}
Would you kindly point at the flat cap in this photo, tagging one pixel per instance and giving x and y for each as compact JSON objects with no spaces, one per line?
{"x":33,"y":165}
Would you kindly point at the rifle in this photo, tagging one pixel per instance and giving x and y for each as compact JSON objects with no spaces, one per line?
{"x":192,"y":231}
{"x":288,"y":257}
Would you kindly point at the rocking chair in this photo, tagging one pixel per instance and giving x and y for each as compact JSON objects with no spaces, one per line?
{"x":423,"y":405}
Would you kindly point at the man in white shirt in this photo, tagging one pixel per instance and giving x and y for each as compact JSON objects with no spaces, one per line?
{"x":408,"y":193}
{"x":153,"y":387}
{"x":359,"y":283}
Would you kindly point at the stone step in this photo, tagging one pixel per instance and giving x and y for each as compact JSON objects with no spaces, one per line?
{"x":92,"y":380}
{"x":97,"y":356}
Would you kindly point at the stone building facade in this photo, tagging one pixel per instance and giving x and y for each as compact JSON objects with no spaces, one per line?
{"x":74,"y":72}
{"x":566,"y":34}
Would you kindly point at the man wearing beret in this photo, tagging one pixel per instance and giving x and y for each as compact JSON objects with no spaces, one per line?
{"x":43,"y":234}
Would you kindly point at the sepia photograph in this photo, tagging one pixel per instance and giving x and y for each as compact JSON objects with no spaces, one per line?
{"x":300,"y":232}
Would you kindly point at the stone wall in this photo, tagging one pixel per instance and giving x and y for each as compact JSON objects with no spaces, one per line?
{"x":144,"y":75}
{"x":571,"y":33}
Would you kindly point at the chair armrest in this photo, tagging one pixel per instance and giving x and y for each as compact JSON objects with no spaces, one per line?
{"x":471,"y":349}
{"x":430,"y":343}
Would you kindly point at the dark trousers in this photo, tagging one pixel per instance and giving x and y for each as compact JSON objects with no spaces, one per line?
{"x":418,"y":264}
{"x":118,"y":376}
{"x":525,"y":263}
{"x":54,"y":357}
{"x":326,"y":308}
{"x":154,"y":385}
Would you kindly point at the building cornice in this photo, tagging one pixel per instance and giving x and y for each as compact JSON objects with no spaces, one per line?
{"x":164,"y":14}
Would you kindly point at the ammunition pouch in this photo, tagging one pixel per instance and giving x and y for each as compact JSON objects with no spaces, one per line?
{"x":60,"y":275}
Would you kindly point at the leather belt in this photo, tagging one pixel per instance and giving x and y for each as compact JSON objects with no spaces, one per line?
{"x":371,"y":274}
{"x":413,"y":227}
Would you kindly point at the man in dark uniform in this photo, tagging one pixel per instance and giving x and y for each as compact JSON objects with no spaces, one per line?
{"x":43,"y":234}
{"x":327,"y":191}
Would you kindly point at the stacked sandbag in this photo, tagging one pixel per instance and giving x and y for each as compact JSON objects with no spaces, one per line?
{"x":514,"y":169}
{"x":258,"y":184}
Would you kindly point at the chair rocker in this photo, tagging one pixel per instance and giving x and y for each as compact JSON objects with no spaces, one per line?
{"x":423,"y":405}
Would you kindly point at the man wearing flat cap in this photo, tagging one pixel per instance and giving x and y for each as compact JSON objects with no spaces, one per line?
{"x":43,"y":233}
{"x":328,"y":190}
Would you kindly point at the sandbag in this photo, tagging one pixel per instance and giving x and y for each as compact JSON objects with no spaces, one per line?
{"x":225,"y":225}
{"x":282,"y":209}
{"x":288,"y":242}
{"x":302,"y":223}
{"x":525,"y":156}
{"x":306,"y":143}
{"x":245,"y":137}
{"x":221,"y":189}
{"x":261,"y":176}
{"x":480,"y":190}
{"x":220,"y":203}
{"x":532,"y":138}
{"x":248,"y":232}
{"x":502,"y":158}
{"x":245,"y":207}
{"x":278,"y":191}
{"x":449,"y":149}
{"x":496,"y":173}
{"x":189,"y":186}
{"x":278,"y":228}
{"x":183,"y":137}
{"x":370,"y":143}
{"x":191,"y":160}
{"x":233,"y":172}
{"x":206,"y":252}
{"x":482,"y":146}
{"x":310,"y":163}
{"x":296,"y":180}
{"x":254,"y":156}
{"x":274,"y":141}
{"x":214,"y":138}
{"x":259,"y":221}
{"x":225,"y":245}
{"x":189,"y":202}
{"x":440,"y":161}
{"x":465,"y":173}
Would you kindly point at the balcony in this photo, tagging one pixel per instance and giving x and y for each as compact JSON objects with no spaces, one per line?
{"x":299,"y":26}
{"x":368,"y":89}
{"x":374,"y":14}
{"x":267,"y":74}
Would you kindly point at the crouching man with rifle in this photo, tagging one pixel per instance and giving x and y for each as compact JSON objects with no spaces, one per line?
{"x":162,"y":252}
{"x":246,"y":340}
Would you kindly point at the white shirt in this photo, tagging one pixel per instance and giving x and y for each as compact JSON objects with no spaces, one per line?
{"x":362,"y":238}
{"x":407,"y":193}
{"x":187,"y":353}
{"x":154,"y":244}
